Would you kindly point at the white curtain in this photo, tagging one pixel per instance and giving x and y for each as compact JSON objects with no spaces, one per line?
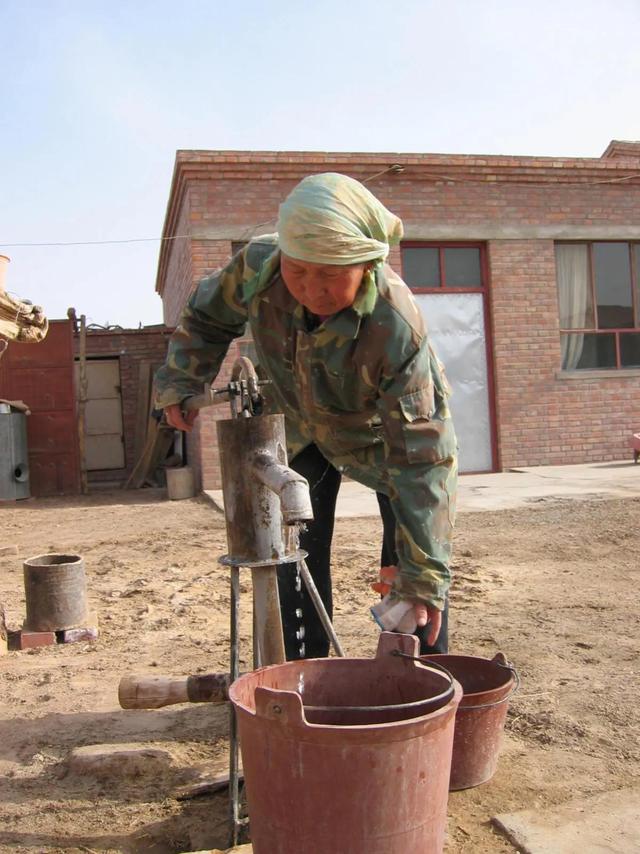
{"x":572,"y":270}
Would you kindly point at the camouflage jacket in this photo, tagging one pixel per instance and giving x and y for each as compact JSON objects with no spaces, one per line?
{"x":364,"y":386}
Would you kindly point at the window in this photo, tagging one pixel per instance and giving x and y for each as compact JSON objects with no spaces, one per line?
{"x":599,"y":303}
{"x":428,"y":267}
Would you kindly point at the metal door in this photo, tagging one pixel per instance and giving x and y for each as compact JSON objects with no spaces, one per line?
{"x":104,"y":441}
{"x":14,"y":459}
{"x":456,"y":326}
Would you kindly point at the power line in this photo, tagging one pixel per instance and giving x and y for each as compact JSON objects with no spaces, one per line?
{"x":102,"y":242}
{"x":394,"y":169}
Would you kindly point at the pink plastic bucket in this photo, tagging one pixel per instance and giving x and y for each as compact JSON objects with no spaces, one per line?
{"x":371,"y":773}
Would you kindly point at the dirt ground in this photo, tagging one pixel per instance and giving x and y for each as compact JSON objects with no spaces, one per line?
{"x":553,"y":585}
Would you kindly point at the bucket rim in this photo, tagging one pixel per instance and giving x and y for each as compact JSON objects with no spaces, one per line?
{"x":491,"y":696}
{"x":46,"y":560}
{"x":401,"y":727}
{"x":292,"y":695}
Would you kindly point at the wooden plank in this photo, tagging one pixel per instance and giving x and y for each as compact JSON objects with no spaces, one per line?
{"x":207,"y":786}
{"x":82,"y":404}
{"x":4,"y":634}
{"x":267,"y":617}
{"x":159,"y":440}
{"x":143,"y":407}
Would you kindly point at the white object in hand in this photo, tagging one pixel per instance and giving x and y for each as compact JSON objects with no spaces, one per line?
{"x":394,"y":614}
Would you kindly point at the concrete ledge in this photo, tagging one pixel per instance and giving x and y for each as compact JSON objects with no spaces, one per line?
{"x":505,"y":490}
{"x":608,"y":822}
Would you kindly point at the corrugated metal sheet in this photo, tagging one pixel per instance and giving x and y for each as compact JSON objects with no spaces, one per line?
{"x":42,"y":376}
{"x":14,"y":462}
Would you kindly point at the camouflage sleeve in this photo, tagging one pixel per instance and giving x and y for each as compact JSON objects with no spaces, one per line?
{"x":215,"y":314}
{"x":422,"y":466}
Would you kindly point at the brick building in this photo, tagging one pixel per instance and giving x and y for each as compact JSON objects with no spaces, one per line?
{"x":527,"y":269}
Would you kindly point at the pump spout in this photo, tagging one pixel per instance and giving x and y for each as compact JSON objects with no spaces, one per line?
{"x":288,"y":485}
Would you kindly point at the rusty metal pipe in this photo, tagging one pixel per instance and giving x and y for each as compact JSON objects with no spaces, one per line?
{"x":325,"y":619}
{"x":292,"y":488}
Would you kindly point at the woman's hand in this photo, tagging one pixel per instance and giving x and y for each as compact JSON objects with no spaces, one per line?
{"x":423,"y":613}
{"x":428,"y":615}
{"x":179,"y":420}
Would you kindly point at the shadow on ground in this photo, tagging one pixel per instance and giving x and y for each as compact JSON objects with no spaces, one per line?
{"x":200,"y":825}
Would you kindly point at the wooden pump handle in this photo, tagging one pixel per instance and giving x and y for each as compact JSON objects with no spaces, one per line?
{"x":153,"y":692}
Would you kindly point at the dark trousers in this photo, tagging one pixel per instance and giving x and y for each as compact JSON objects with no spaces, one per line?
{"x":304,"y":636}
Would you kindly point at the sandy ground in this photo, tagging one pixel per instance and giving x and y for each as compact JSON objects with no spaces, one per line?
{"x":554,"y":586}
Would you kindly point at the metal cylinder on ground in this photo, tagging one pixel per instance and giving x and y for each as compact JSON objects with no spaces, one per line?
{"x":180,"y":483}
{"x":14,"y":457}
{"x":56,"y":593}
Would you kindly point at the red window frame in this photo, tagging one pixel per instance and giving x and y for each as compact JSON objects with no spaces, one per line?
{"x":441,"y":245}
{"x":484,"y":290}
{"x":635,"y":287}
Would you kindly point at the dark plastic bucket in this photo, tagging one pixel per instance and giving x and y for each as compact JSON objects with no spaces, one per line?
{"x":347,"y":755}
{"x":487,"y":685}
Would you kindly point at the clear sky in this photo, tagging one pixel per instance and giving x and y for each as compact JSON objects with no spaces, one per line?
{"x":96,"y":97}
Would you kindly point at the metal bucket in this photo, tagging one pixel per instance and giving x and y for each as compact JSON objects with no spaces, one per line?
{"x":487,"y":685}
{"x":56,"y":592}
{"x":180,"y":483}
{"x":14,"y":457}
{"x":348,"y":755}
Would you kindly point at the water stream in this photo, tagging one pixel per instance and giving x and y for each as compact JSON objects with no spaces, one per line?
{"x":293,"y":544}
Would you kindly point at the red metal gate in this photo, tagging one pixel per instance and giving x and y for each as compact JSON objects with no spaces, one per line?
{"x":42,"y":376}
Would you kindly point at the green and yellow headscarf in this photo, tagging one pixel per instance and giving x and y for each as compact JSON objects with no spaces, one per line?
{"x":333,"y":219}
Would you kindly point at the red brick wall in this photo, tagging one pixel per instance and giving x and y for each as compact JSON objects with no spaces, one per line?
{"x":208,"y":255}
{"x":519,"y":206}
{"x":41,"y":375}
{"x":202,"y":443}
{"x":188,"y":261}
{"x":480,"y":192}
{"x":526,"y":347}
{"x":130,"y":347}
{"x":179,"y":269}
{"x":546,"y":417}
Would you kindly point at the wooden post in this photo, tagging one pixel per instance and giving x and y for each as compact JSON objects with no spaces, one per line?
{"x":153,"y":692}
{"x":82,"y":404}
{"x":4,"y":635}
